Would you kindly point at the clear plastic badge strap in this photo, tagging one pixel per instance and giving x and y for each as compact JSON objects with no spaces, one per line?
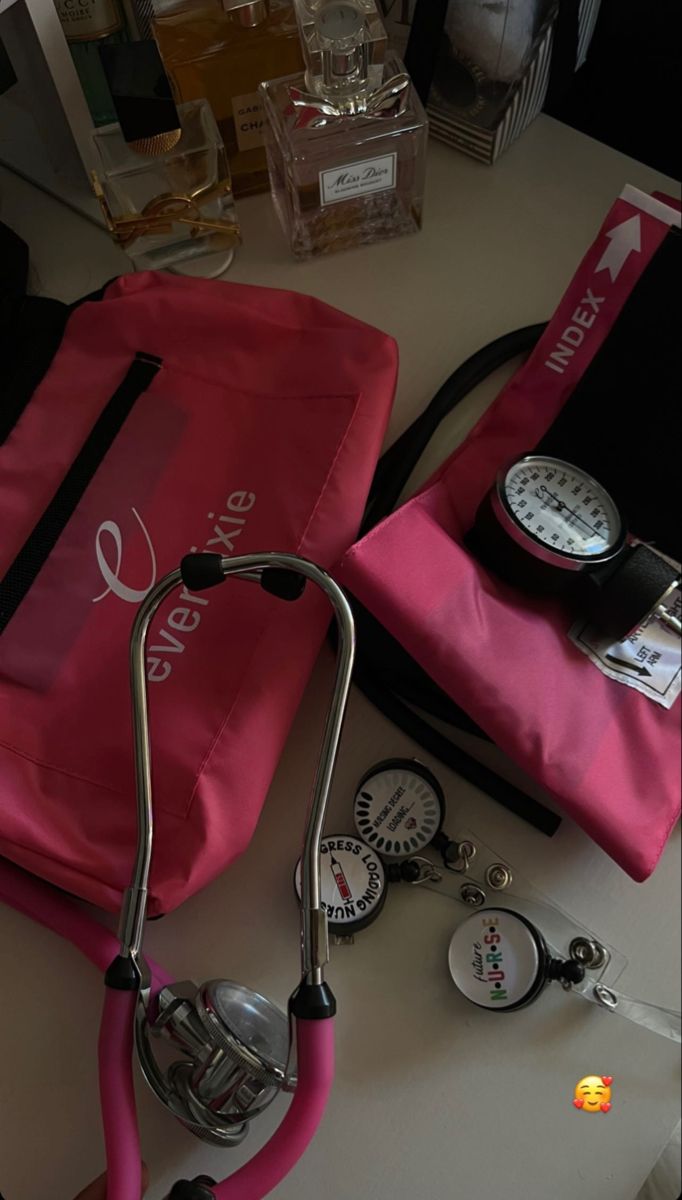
{"x":482,"y":878}
{"x":664,"y":1021}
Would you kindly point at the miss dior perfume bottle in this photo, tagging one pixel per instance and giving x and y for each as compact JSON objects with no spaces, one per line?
{"x":165,"y":184}
{"x":346,"y":141}
{"x":221,"y":50}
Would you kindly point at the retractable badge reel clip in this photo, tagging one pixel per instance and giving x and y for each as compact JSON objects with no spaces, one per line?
{"x":228,"y":1050}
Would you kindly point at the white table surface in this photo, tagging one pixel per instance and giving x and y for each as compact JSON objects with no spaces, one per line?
{"x":433,"y":1098}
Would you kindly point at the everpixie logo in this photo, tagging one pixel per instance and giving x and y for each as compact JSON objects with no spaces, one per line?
{"x":131,"y":577}
{"x":108,"y":538}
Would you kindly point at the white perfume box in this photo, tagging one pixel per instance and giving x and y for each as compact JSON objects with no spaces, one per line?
{"x":45,"y":126}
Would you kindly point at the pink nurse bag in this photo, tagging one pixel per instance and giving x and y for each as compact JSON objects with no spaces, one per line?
{"x":176,"y":415}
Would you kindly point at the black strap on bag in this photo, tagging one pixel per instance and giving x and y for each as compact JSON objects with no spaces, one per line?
{"x":426,"y":35}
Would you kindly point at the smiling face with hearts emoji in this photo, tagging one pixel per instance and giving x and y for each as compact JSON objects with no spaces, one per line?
{"x":593,"y":1094}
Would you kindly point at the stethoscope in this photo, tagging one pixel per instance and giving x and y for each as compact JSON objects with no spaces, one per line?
{"x":215,"y":1055}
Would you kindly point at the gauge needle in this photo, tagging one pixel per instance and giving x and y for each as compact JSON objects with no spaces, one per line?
{"x":562,"y":504}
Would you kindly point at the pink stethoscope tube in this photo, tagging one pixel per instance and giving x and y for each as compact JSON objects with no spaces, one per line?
{"x":315,"y":1070}
{"x":121,"y":959}
{"x":56,"y":911}
{"x":117,"y":1096}
{"x":314,"y":1045}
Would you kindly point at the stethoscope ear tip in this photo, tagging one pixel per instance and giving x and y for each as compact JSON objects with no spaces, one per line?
{"x":197,"y":1189}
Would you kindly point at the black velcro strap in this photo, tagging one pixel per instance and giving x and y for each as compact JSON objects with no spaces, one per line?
{"x":35,"y":551}
{"x":424,"y":44}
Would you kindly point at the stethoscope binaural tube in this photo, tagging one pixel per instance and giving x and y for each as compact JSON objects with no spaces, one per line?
{"x":312,"y":1005}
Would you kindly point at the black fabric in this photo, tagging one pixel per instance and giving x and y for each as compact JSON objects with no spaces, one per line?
{"x":34,"y":553}
{"x":31,"y":329}
{"x":424,"y":43}
{"x":8,"y":79}
{"x":627,"y":93}
{"x":564,"y":50}
{"x":622,"y":422}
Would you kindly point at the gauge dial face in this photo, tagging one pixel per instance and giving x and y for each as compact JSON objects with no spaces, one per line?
{"x":398,"y":808}
{"x":561,"y":507}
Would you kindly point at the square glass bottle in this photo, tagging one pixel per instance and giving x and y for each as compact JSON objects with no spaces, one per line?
{"x":221,"y":50}
{"x":346,"y":144}
{"x":168,"y":198}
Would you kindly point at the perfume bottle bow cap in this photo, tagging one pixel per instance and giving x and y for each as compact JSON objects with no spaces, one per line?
{"x":314,"y":111}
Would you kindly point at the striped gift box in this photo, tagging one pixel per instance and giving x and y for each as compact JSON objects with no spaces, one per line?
{"x":525,"y":98}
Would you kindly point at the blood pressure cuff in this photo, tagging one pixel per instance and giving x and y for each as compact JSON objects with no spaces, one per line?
{"x":168,"y":415}
{"x":601,"y":389}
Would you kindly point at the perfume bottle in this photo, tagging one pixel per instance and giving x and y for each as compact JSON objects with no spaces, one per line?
{"x":88,"y":25}
{"x":346,"y":141}
{"x":165,"y":186}
{"x":221,"y":50}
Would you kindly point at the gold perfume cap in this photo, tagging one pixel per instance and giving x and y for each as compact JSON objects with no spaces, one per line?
{"x":157,"y":144}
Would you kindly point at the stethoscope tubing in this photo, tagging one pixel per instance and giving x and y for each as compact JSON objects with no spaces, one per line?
{"x":50,"y":907}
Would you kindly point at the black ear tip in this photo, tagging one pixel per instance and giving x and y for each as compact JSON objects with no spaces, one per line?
{"x":201,"y":571}
{"x":197,"y":1189}
{"x":283,"y":583}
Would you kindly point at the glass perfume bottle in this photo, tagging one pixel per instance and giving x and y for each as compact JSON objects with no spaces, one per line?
{"x":346,"y":143}
{"x":165,"y":186}
{"x":221,"y":50}
{"x":88,"y":25}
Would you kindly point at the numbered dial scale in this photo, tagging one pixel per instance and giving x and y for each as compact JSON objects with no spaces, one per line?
{"x":557,"y":513}
{"x":548,"y":527}
{"x":399,"y":808}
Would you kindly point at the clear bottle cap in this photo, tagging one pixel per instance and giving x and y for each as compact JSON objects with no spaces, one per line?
{"x":344,"y":44}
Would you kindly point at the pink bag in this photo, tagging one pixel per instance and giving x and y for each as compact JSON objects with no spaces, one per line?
{"x":507,"y":660}
{"x":177,"y":415}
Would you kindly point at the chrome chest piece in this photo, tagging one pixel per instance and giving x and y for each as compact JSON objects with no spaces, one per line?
{"x":234,"y":1047}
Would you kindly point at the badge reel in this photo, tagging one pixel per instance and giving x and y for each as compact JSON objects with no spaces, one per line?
{"x":503,"y":956}
{"x":548,"y":527}
{"x":398,"y":810}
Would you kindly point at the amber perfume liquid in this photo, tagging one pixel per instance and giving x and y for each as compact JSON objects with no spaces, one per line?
{"x":223,"y":56}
